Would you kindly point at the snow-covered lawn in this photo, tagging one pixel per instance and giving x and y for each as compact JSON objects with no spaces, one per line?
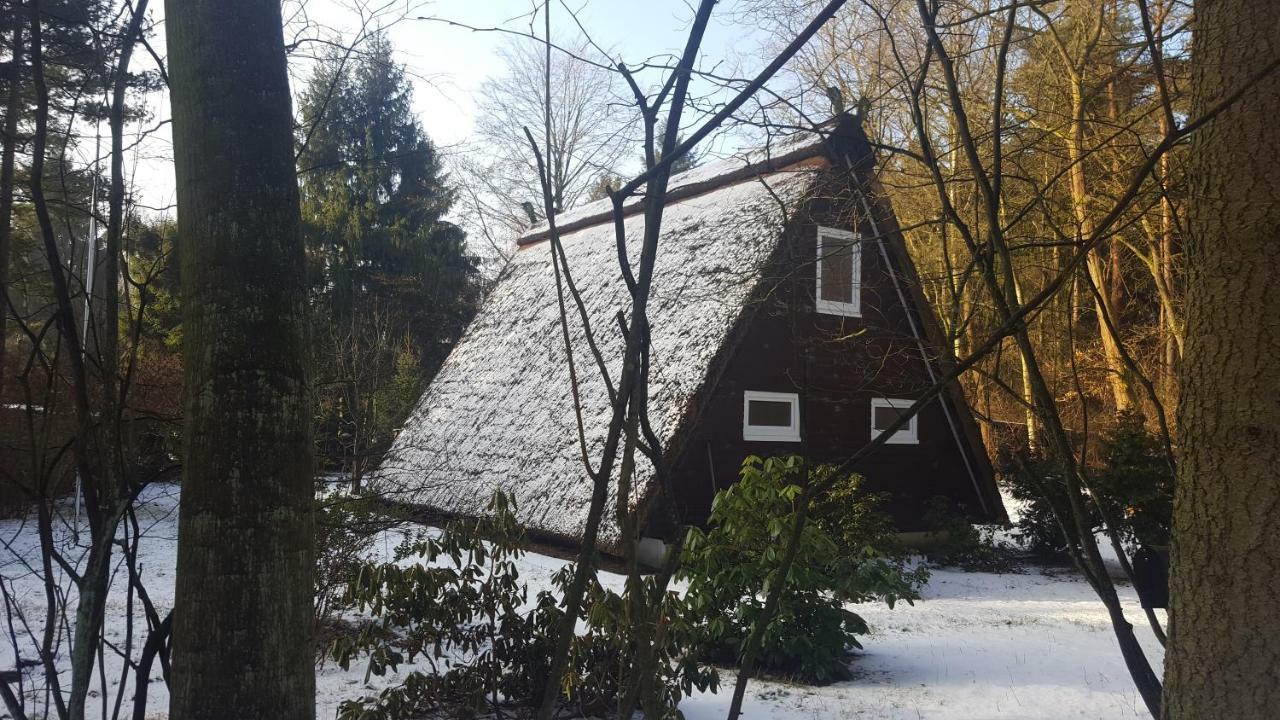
{"x":980,"y":645}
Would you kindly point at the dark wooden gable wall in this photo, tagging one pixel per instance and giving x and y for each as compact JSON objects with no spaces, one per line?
{"x":837,"y":365}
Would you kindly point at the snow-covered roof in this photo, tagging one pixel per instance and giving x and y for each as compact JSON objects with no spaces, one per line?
{"x":778,"y":153}
{"x":499,"y":414}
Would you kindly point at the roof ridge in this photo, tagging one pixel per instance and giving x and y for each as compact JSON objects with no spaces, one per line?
{"x":690,"y":183}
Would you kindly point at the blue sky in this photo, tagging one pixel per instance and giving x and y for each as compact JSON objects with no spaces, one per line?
{"x":449,"y":64}
{"x":632,"y":30}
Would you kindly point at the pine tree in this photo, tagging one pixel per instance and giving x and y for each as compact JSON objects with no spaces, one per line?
{"x":374,"y":197}
{"x":688,"y":161}
{"x":391,"y":277}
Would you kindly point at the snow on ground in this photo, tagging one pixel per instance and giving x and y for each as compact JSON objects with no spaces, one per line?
{"x":979,"y":646}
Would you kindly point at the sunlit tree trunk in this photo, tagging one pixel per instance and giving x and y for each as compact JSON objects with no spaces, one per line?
{"x":1028,"y":392}
{"x":1224,"y":648}
{"x":1119,"y":376}
{"x":243,"y":643}
{"x":1170,"y":325}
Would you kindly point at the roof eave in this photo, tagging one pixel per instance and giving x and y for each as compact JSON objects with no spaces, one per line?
{"x":809,"y":156}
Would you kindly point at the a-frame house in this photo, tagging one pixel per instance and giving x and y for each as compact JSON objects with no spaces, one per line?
{"x":787,"y":318}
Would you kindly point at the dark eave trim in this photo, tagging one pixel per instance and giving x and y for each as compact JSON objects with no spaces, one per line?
{"x":777,"y":163}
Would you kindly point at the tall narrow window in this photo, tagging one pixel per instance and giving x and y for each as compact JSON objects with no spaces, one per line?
{"x":839,"y":273}
{"x":770,"y":416}
{"x":885,"y":412}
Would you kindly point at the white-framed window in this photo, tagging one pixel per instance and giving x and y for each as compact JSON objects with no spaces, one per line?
{"x":886,"y":411}
{"x":838,"y":286}
{"x":770,"y":416}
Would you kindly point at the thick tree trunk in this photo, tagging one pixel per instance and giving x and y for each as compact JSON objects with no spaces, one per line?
{"x":243,"y":642}
{"x":1224,"y":645}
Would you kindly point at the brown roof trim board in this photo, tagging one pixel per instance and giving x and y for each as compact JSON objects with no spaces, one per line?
{"x":803,"y":156}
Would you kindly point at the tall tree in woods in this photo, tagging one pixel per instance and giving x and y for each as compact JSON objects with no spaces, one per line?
{"x":1081,"y":111}
{"x":75,"y":68}
{"x":592,"y":131}
{"x":1073,"y":65}
{"x":1223,"y":649}
{"x":62,"y":58}
{"x":243,"y":630}
{"x":374,"y":197}
{"x":393,"y":284}
{"x":9,"y":80}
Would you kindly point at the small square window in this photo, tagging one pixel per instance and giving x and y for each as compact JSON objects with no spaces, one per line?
{"x":886,"y":411}
{"x":770,"y":416}
{"x":838,"y":282}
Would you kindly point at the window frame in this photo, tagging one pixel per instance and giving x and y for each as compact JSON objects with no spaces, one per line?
{"x":909,"y":435}
{"x":853,"y":308}
{"x":770,"y":433}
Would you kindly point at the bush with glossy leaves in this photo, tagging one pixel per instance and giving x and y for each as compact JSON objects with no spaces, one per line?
{"x":462,"y":614}
{"x":732,"y":566}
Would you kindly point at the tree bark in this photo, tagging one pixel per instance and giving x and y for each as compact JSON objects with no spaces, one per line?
{"x":1119,"y":377}
{"x":7,"y":149}
{"x":1223,"y":654}
{"x":243,"y":635}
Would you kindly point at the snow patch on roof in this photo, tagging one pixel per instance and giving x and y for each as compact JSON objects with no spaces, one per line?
{"x":795,"y":146}
{"x":500,"y":413}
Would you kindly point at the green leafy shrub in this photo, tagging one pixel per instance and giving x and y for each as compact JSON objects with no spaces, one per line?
{"x":1135,"y":483}
{"x":604,"y":652}
{"x":1039,"y":485}
{"x":346,"y":525}
{"x":1131,"y":480}
{"x":731,"y":567}
{"x":853,"y":517}
{"x":958,"y":542}
{"x":462,"y":610}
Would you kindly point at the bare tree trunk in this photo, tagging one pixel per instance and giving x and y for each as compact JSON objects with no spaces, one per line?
{"x":10,"y":141}
{"x":1118,"y":376}
{"x":1171,"y":325}
{"x":109,"y":334}
{"x":109,"y":494}
{"x":243,"y":635}
{"x":1028,"y":392}
{"x":1170,"y":328}
{"x":1087,"y":555}
{"x":87,"y":443}
{"x":1223,"y":650}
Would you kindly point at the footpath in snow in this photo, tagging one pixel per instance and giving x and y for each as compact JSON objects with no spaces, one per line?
{"x":980,"y":646}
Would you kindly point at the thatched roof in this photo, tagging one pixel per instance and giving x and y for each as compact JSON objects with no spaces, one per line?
{"x":499,"y":414}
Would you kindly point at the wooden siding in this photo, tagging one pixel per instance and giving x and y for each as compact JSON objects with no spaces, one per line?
{"x":837,"y":365}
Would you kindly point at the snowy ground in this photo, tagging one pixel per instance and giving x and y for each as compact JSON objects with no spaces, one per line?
{"x":980,"y":646}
